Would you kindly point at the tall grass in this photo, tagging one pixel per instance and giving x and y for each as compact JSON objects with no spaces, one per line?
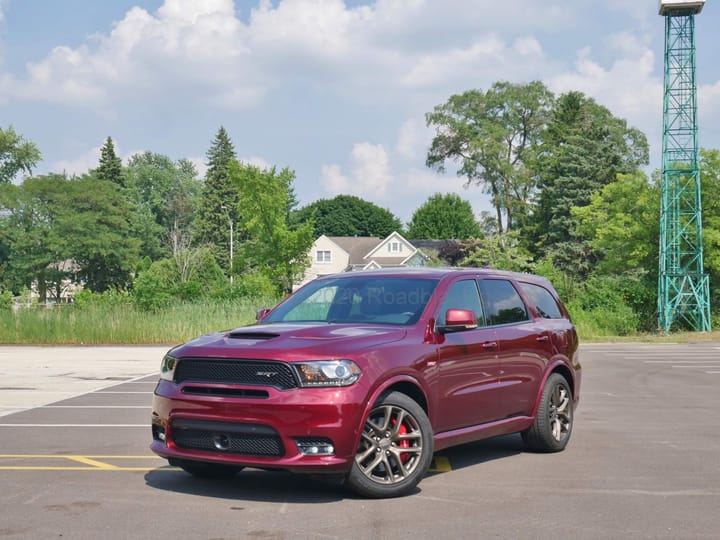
{"x":125,"y":323}
{"x":107,"y":323}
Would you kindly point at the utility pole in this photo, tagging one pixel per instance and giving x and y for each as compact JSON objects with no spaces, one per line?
{"x":232,"y":236}
{"x":683,"y":288}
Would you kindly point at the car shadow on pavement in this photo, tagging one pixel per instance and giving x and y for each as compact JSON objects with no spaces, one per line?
{"x":475,"y":453}
{"x":251,"y":484}
{"x":281,"y":487}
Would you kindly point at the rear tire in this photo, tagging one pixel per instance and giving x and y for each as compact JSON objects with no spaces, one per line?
{"x":395,"y":449}
{"x":201,"y":469}
{"x":553,"y":423}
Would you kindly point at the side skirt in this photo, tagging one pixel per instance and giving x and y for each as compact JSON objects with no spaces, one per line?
{"x":468,"y":434}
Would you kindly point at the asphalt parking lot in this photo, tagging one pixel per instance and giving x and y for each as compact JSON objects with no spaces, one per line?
{"x":644,"y":462}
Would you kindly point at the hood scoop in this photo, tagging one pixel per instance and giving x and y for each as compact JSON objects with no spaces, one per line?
{"x":255,"y":336}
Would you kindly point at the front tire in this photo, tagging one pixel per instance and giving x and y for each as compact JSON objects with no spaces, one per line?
{"x":553,"y":423}
{"x":395,"y":449}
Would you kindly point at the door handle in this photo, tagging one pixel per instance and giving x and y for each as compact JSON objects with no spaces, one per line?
{"x":490,"y":345}
{"x":542,"y":339}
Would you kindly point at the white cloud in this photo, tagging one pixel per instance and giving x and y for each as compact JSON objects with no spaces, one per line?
{"x":256,"y":161}
{"x":370,"y":173}
{"x":89,"y":159}
{"x":200,"y":50}
{"x":412,"y":139}
{"x":629,"y":87}
{"x":200,"y":165}
{"x":190,"y":46}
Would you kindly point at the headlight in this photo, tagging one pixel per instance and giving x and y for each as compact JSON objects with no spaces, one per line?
{"x":167,"y":367}
{"x":327,"y":373}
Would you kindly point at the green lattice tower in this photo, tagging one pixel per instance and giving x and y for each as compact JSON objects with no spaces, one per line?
{"x":683,"y":288}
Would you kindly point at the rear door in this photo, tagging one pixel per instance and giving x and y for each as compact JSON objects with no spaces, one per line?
{"x":468,"y":365}
{"x":523,"y":348}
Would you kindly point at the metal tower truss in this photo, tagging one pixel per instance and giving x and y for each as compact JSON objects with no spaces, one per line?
{"x":683,"y":288}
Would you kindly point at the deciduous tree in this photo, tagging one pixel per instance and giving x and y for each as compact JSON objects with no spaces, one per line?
{"x":272,"y":245}
{"x":488,"y":135}
{"x":16,"y":155}
{"x":444,"y":217}
{"x":347,"y":215}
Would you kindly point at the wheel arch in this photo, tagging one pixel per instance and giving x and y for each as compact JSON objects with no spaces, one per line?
{"x":560,"y":368}
{"x":405,"y":384}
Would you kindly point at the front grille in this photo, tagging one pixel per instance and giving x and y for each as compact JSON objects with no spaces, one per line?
{"x":227,"y":392}
{"x":253,"y":372}
{"x":227,"y":438}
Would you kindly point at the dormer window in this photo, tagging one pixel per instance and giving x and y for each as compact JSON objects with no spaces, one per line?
{"x":395,"y":247}
{"x":323,"y":256}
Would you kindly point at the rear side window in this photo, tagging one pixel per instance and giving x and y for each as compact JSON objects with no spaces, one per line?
{"x":462,"y":295}
{"x":503,"y":304}
{"x":542,"y":301}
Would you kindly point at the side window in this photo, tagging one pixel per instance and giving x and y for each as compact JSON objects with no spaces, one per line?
{"x":542,"y":300}
{"x":462,"y":295}
{"x":502,"y":302}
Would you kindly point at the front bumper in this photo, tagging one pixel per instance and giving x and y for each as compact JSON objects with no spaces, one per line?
{"x":277,"y":421}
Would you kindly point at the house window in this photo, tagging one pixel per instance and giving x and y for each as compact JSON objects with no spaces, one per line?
{"x":323,"y":256}
{"x":395,"y":247}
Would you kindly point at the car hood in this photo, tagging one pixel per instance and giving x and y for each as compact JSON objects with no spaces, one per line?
{"x":290,"y":341}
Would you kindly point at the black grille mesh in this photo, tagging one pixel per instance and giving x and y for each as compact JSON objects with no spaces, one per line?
{"x":253,"y":372}
{"x":257,"y":441}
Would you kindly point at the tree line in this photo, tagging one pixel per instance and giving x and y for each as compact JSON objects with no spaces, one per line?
{"x":564,"y":175}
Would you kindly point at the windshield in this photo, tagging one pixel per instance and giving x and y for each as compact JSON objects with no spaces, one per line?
{"x":365,"y":299}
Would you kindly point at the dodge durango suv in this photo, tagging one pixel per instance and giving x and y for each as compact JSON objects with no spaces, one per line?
{"x":366,"y":374}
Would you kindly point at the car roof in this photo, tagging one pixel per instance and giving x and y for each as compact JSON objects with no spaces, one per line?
{"x":438,"y":273}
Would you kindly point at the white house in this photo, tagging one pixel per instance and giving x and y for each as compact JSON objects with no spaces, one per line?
{"x":333,"y":254}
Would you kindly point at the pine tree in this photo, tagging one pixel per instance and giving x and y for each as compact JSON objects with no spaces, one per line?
{"x":110,"y":167}
{"x":584,"y":148}
{"x":219,"y":200}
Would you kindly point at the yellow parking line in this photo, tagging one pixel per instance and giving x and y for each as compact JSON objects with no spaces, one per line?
{"x":115,"y":469}
{"x":440,"y":464}
{"x":61,"y":456}
{"x":91,"y":462}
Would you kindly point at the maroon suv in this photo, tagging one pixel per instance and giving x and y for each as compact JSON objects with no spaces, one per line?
{"x":368,"y":373}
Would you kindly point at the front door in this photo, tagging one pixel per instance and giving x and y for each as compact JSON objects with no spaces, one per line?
{"x":468,"y":365}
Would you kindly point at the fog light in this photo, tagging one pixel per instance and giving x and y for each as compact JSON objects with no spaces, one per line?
{"x":315,"y":447}
{"x":158,"y":433}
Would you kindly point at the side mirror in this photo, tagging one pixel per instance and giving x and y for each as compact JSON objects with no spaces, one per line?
{"x":261,"y":314}
{"x":458,"y":320}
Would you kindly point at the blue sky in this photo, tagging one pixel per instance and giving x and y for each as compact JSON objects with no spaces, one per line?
{"x":335,"y":90}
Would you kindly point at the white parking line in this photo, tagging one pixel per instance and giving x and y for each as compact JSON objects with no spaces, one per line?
{"x":95,"y":407}
{"x":678,"y":362}
{"x":108,"y":392}
{"x":145,"y":426}
{"x":699,"y":366}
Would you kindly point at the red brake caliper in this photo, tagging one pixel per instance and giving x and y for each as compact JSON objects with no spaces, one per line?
{"x":404,"y":443}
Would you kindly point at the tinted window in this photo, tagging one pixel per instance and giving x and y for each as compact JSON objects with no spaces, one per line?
{"x":502,"y":302}
{"x":357,"y":300}
{"x":462,"y":295}
{"x":542,"y":300}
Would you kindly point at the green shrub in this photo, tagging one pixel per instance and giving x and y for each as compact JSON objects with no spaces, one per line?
{"x":6,"y":301}
{"x":188,"y":276}
{"x":111,"y":297}
{"x":603,"y":321}
{"x":249,"y":285}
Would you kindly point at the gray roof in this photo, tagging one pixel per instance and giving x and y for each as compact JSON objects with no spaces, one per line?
{"x":428,"y":244}
{"x":356,"y":246}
